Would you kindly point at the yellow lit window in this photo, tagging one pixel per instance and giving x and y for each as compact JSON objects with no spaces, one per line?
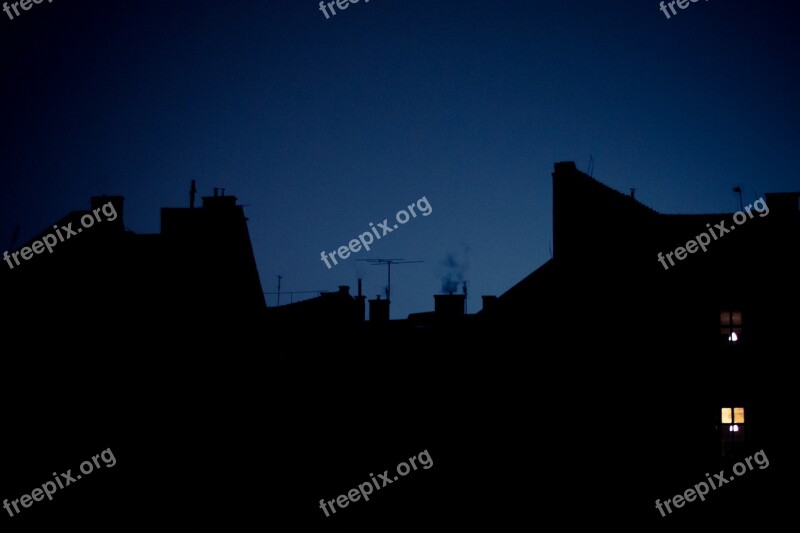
{"x":726,"y":415}
{"x":733,"y":415}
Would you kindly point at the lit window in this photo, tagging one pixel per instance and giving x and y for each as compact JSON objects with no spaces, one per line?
{"x":726,"y":415}
{"x":730,"y":326}
{"x":733,"y":430}
{"x":737,"y":418}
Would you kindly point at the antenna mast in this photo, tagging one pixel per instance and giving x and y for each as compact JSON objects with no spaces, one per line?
{"x":388,"y":263}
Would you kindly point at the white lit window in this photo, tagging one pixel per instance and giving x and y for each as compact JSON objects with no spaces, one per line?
{"x":730,"y":326}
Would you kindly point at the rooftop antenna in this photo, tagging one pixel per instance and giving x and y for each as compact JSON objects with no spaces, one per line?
{"x":464,"y":288}
{"x":738,"y":189}
{"x":388,"y":263}
{"x":633,"y":193}
{"x":279,"y":290}
{"x":192,"y":192}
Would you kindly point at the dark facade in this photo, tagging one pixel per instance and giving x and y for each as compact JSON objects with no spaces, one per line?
{"x":200,"y":266}
{"x":592,"y":387}
{"x":603,"y":365}
{"x":656,"y":353}
{"x":605,"y":274}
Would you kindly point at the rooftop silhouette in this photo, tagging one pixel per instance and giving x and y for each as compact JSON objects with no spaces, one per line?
{"x":598,"y":357}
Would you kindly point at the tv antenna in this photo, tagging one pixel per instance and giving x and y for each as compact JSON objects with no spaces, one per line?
{"x":738,"y":190}
{"x":389,"y":263}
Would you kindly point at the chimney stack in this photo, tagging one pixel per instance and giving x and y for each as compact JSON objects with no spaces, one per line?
{"x":449,"y":306}
{"x":192,"y":193}
{"x":360,"y":304}
{"x":379,"y":310}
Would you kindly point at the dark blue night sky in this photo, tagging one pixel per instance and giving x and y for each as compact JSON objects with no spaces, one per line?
{"x":321,"y":126}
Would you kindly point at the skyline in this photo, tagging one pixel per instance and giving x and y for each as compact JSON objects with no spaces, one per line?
{"x":320,"y":127}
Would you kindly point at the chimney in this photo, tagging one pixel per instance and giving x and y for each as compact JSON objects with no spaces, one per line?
{"x":449,"y":306}
{"x":217,"y":201}
{"x":379,"y":310}
{"x":192,"y":193}
{"x":360,"y":304}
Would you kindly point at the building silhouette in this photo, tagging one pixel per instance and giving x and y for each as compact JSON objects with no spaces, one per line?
{"x":599,"y":366}
{"x":199,"y":267}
